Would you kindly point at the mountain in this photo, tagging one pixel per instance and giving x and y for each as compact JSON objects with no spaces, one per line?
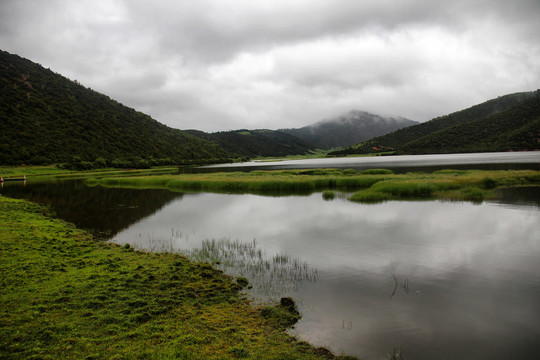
{"x":47,"y":118}
{"x":507,"y":123}
{"x":253,"y":143}
{"x":348,"y":129}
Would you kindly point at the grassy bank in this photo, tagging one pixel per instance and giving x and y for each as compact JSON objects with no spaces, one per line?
{"x":66,"y":295}
{"x":296,"y":181}
{"x":48,"y":173}
{"x":370,"y":185}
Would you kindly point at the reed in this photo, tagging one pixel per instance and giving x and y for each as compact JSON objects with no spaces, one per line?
{"x":370,"y":196}
{"x":268,"y":276}
{"x":396,"y":354}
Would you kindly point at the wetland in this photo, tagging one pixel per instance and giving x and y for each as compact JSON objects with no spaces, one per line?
{"x":433,"y":277}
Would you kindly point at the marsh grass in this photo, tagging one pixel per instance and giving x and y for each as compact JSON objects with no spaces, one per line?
{"x":370,"y":196}
{"x":66,"y":295}
{"x":371,"y":186}
{"x":455,"y":185}
{"x":269,"y":276}
{"x":280,"y":181}
{"x":328,"y":195}
{"x":36,"y":174}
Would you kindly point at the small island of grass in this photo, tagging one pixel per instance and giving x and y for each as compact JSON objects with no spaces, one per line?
{"x":372,"y":185}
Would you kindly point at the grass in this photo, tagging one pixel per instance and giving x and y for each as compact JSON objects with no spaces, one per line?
{"x":67,"y":295}
{"x":50,"y":172}
{"x":264,"y":182}
{"x":373,"y":185}
{"x":328,"y":195}
{"x":462,"y":185}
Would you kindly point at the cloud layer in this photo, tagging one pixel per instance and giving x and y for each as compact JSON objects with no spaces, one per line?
{"x":219,"y":65}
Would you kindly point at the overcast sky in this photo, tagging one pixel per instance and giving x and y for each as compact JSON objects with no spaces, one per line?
{"x":229,"y":64}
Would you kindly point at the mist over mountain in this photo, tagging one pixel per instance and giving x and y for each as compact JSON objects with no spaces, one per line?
{"x":46,"y":118}
{"x":507,"y":123}
{"x":348,"y":129}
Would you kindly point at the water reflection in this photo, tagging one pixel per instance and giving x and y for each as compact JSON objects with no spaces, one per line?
{"x":269,"y":276}
{"x":431,"y":279}
{"x":96,"y":208}
{"x":399,"y":164}
{"x":520,"y":196}
{"x":467,"y":275}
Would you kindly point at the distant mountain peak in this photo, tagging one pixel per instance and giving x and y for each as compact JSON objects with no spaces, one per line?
{"x":348,"y":129}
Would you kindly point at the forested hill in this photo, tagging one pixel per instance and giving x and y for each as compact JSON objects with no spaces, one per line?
{"x":348,"y":129}
{"x":47,"y":118}
{"x":253,"y":143}
{"x":508,"y":123}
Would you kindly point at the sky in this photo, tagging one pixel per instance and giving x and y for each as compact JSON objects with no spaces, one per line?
{"x":218,"y":65}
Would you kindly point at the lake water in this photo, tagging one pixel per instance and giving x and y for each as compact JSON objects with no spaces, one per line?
{"x":403,"y":163}
{"x":439,"y":280}
{"x":431,"y":277}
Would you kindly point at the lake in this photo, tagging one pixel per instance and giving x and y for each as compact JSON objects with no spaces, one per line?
{"x":438,"y":280}
{"x":429,"y":277}
{"x":402,"y":163}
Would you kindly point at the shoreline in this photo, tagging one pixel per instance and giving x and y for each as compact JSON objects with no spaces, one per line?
{"x":69,"y":295}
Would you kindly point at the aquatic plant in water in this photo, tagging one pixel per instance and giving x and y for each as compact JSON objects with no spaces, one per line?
{"x":404,"y":285}
{"x":396,"y":354}
{"x":269,"y":276}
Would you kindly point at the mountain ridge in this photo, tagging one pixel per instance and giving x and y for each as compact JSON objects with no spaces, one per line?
{"x":465,"y":130}
{"x":47,"y":118}
{"x":257,"y":143}
{"x":348,"y":129}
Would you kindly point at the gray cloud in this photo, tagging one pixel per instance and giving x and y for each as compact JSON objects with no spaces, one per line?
{"x":216,"y":65}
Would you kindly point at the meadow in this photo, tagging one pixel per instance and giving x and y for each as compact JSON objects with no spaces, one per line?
{"x":52,"y":172}
{"x":68,"y":294}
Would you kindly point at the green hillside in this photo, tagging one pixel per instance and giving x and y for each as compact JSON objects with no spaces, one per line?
{"x":253,"y":143}
{"x":515,"y":129}
{"x":47,"y":118}
{"x":507,"y":123}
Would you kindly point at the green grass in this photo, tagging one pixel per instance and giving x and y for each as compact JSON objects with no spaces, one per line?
{"x":67,"y":295}
{"x":47,"y":173}
{"x":371,"y":185}
{"x":261,"y":182}
{"x":328,"y":195}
